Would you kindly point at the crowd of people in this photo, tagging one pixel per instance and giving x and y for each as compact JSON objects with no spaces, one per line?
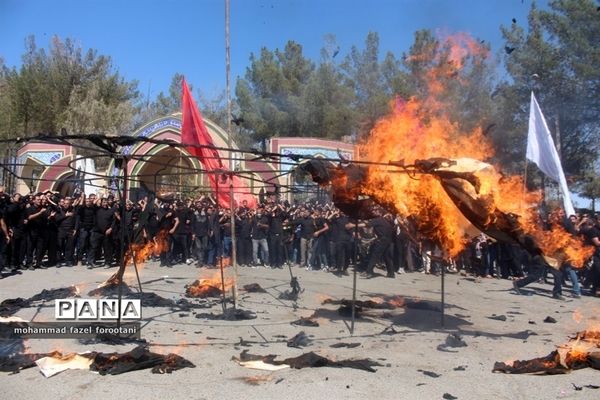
{"x":46,"y":230}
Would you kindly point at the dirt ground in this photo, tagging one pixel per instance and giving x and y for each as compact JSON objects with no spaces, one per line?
{"x":408,"y":356}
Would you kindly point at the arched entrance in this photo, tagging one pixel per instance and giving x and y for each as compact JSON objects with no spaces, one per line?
{"x":168,"y":172}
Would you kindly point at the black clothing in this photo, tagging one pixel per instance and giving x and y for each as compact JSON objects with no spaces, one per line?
{"x":260,"y":227}
{"x":308,"y":227}
{"x":382,"y":227}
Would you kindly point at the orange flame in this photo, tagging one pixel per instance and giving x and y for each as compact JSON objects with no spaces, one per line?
{"x":140,"y":252}
{"x":421,"y":128}
{"x":210,"y":287}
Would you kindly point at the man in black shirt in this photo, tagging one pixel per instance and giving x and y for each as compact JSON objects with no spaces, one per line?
{"x":318,"y":253}
{"x":200,"y":233}
{"x":4,"y":241}
{"x":592,"y":238}
{"x":260,"y":227}
{"x":15,"y":220}
{"x":66,"y":220}
{"x":102,"y":234}
{"x":307,"y":225}
{"x":181,"y":230}
{"x":86,"y":220}
{"x":244,"y":237}
{"x":36,"y":218}
{"x":384,"y":230}
{"x":277,"y":216}
{"x":166,"y":224}
{"x":341,"y":241}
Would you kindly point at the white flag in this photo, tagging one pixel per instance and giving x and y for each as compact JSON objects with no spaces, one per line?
{"x":541,"y":150}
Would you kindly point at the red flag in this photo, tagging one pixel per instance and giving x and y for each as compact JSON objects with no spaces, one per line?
{"x":194,"y":133}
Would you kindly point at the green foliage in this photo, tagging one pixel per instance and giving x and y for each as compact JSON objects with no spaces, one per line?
{"x":64,"y":88}
{"x":363,"y":74}
{"x":557,"y":58}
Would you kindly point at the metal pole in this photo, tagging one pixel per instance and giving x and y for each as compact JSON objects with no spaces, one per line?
{"x":218,"y":176}
{"x":443,"y":294}
{"x":121,"y":271}
{"x":356,"y":249}
{"x":233,"y":243}
{"x":231,"y":162}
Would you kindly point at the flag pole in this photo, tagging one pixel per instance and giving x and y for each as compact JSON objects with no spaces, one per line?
{"x":229,"y":144}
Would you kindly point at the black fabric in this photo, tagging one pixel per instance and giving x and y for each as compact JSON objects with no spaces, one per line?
{"x":382,"y":228}
{"x":87,"y":217}
{"x":308,"y":227}
{"x":104,"y":219}
{"x":260,"y":227}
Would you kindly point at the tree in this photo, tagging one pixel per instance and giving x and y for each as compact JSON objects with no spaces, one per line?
{"x":363,"y":74}
{"x":326,"y":104}
{"x":66,"y":88}
{"x":557,"y":58}
{"x":269,"y":97}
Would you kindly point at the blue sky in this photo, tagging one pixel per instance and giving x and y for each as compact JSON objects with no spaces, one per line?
{"x":151,"y":40}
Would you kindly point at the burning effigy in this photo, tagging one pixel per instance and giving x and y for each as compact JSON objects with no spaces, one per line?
{"x":419,"y":163}
{"x":582,"y":351}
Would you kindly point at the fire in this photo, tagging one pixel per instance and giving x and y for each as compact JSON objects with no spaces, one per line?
{"x":139,"y":253}
{"x":421,"y":128}
{"x":211,"y":287}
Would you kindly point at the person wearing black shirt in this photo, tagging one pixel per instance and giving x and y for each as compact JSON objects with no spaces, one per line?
{"x":166,"y":223}
{"x":200,"y":234}
{"x":214,"y":236}
{"x":86,"y":220}
{"x":245,"y":238}
{"x":36,"y":217}
{"x":102,"y":234}
{"x":592,"y":238}
{"x":560,"y":218}
{"x":537,"y":268}
{"x":15,"y":220}
{"x":318,"y":253}
{"x":341,"y":240}
{"x":66,"y":220}
{"x":276,"y":252}
{"x":384,"y":230}
{"x":225,"y":229}
{"x":307,"y":225}
{"x":260,"y":227}
{"x":4,"y":241}
{"x":180,"y":234}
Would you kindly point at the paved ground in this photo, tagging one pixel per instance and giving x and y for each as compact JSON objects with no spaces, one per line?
{"x":211,"y":344}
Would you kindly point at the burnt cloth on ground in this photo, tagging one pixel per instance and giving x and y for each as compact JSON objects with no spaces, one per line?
{"x":313,"y":360}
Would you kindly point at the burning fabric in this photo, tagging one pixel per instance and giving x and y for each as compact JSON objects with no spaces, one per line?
{"x":306,"y":360}
{"x":581,"y":352}
{"x":446,"y":196}
{"x":138,"y":358}
{"x":110,"y":287}
{"x":104,"y":363}
{"x":211,"y":287}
